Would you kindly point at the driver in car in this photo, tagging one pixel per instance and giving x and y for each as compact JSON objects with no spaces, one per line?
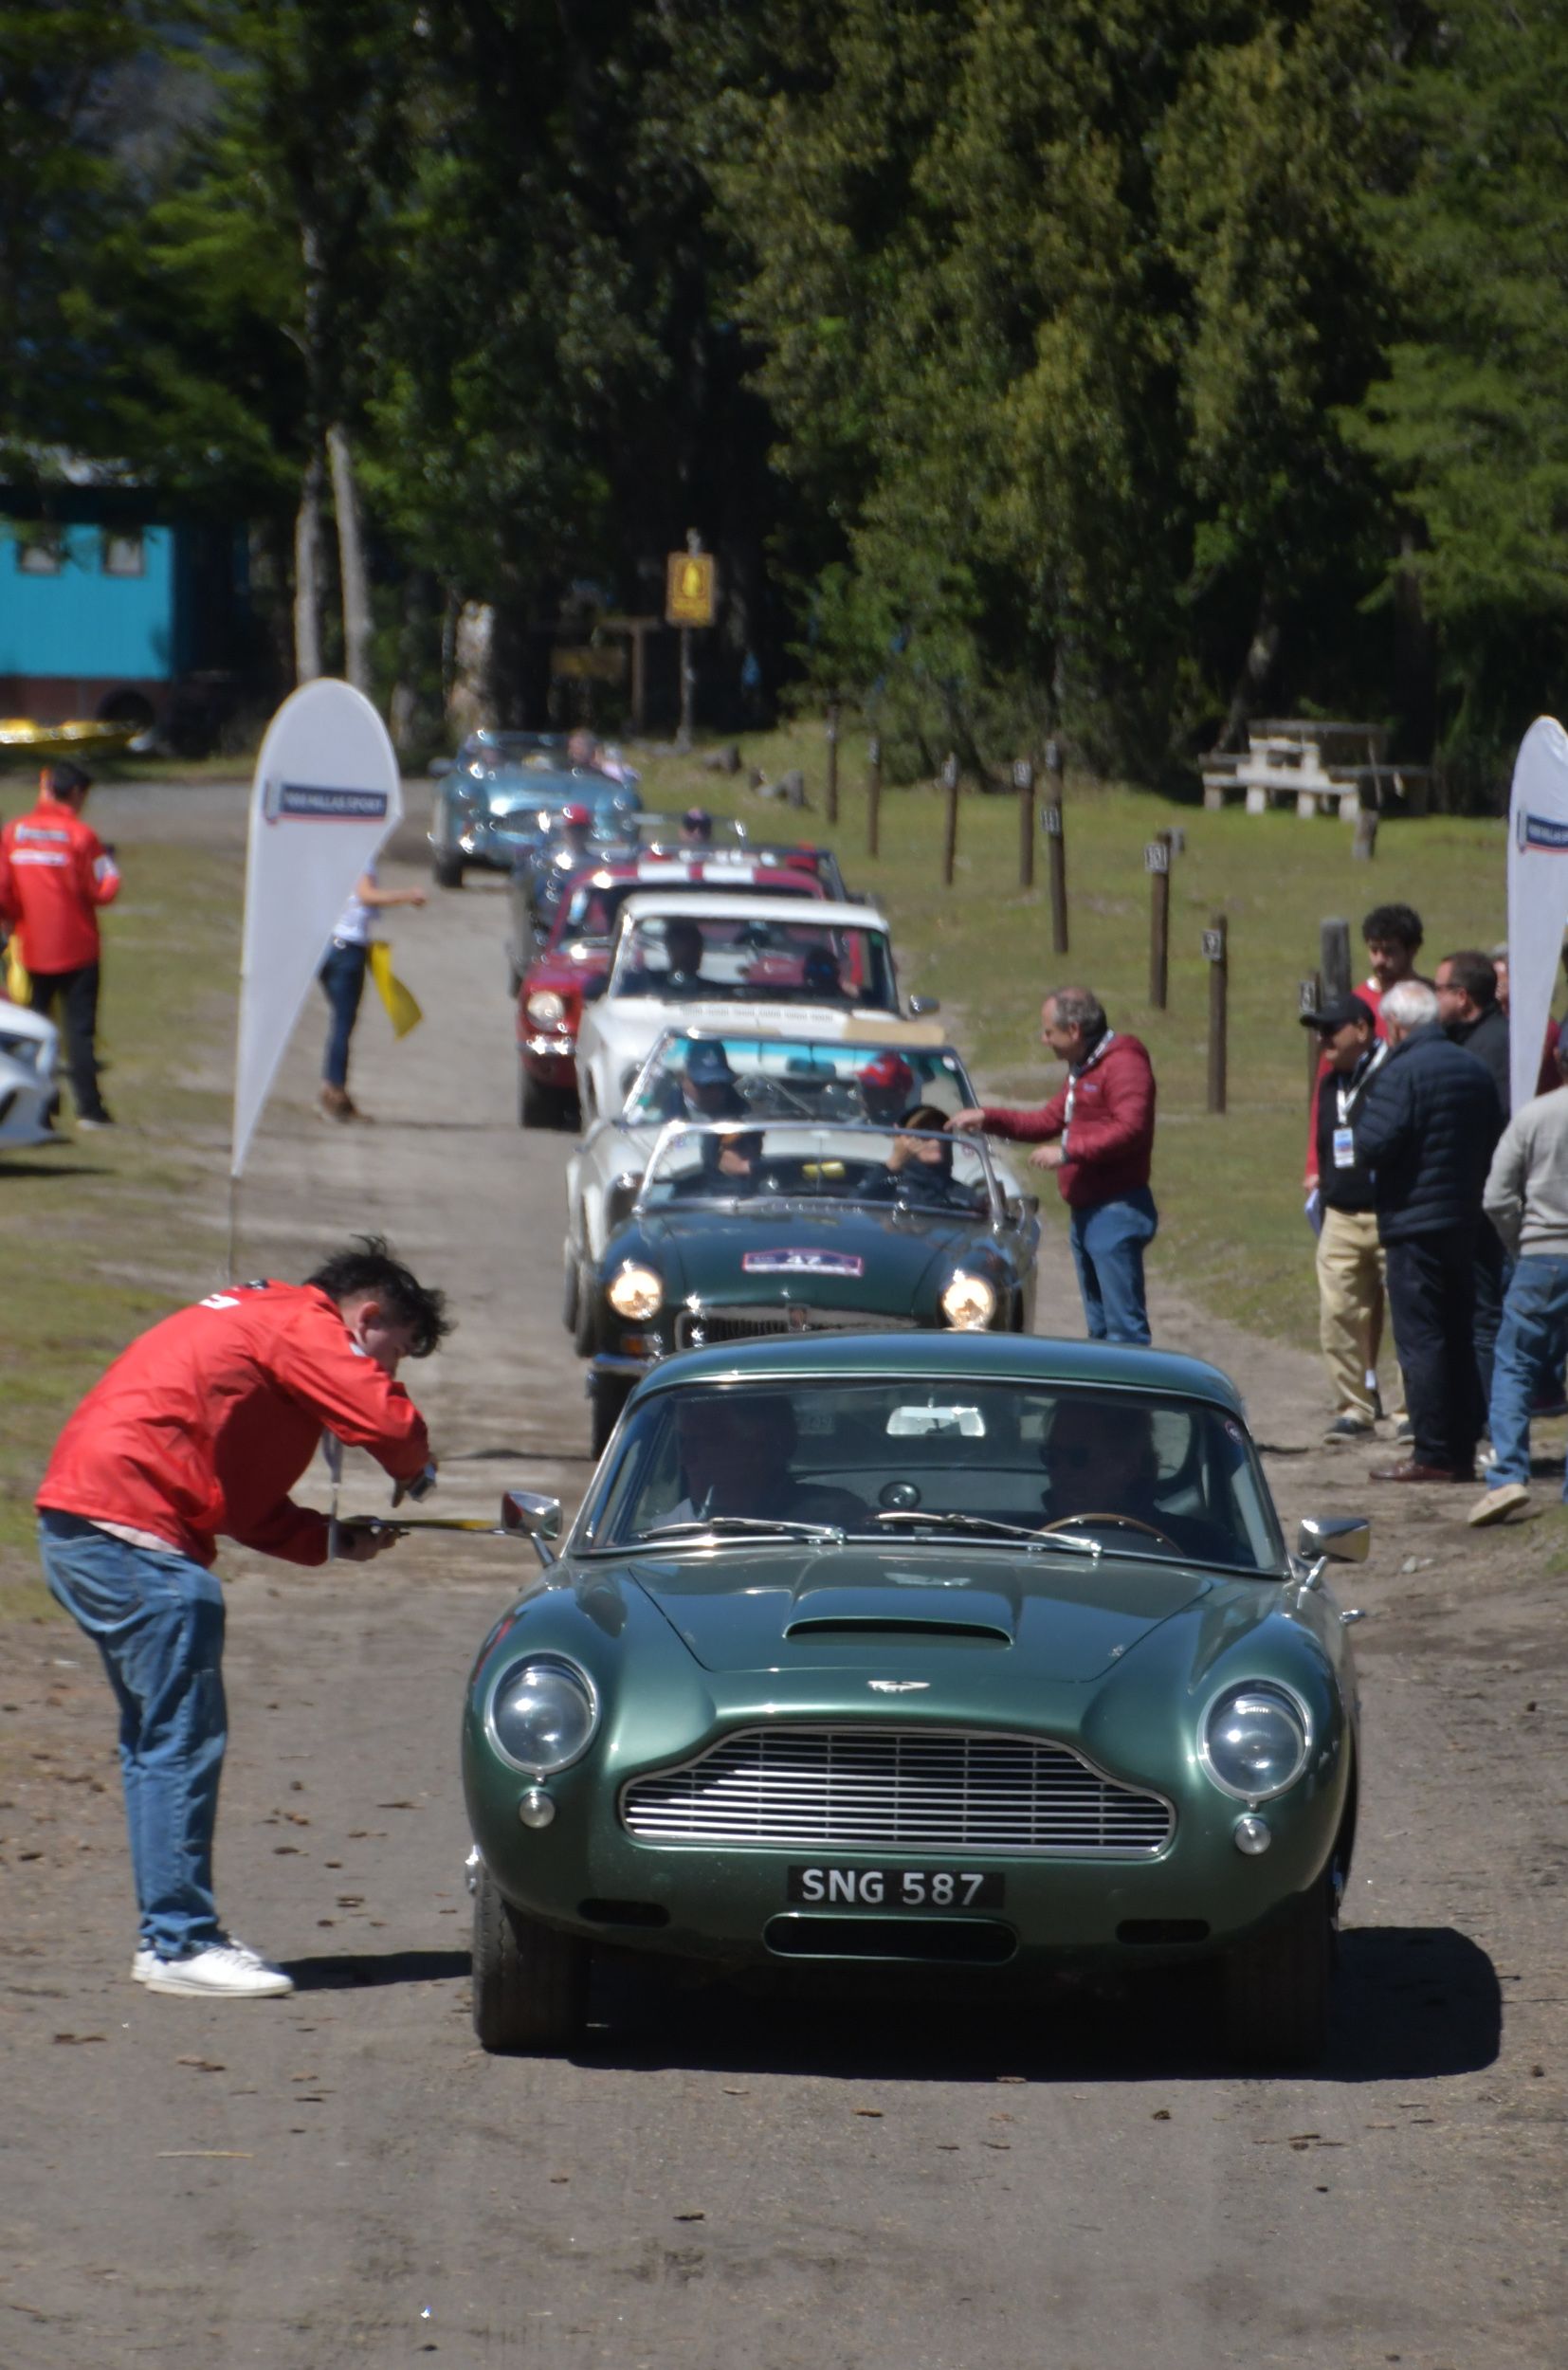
{"x":1102,"y":1462}
{"x":734,"y":1451}
{"x":682,"y":974}
{"x":819,"y":976}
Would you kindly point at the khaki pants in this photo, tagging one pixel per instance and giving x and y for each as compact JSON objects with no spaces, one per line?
{"x":1352,"y":1296}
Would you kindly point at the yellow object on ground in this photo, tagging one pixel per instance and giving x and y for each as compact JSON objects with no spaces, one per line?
{"x":18,"y":985}
{"x":401,"y":1003}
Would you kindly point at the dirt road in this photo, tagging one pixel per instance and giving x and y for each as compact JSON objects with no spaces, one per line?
{"x":712,"y":2180}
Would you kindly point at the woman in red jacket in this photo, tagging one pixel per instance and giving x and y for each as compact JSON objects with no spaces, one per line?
{"x":55,"y":872}
{"x":1098,"y":1134}
{"x":202,"y":1427}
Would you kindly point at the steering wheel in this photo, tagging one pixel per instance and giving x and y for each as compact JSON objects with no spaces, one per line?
{"x":1120,"y":1521}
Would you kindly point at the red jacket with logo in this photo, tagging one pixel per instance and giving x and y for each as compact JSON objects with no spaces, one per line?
{"x":54,"y":874}
{"x":1110,"y":1137}
{"x":205,"y":1424}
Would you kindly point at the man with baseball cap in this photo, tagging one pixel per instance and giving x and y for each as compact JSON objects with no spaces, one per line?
{"x":55,"y":872}
{"x":1352,"y":1273}
{"x":697,"y":828}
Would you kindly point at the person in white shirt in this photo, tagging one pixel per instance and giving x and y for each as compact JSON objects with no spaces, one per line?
{"x":342,"y":978}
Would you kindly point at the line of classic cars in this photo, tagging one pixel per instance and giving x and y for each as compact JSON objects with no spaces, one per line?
{"x":891,"y":1636}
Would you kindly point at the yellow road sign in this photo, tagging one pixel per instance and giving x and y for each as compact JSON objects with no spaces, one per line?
{"x":691,"y":590}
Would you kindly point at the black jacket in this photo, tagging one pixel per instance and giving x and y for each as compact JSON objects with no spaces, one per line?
{"x":1344,"y":1189}
{"x":1426,"y":1129}
{"x":1488,"y":1039}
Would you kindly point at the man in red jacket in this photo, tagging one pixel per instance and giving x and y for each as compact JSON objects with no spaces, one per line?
{"x":1098,"y":1134}
{"x":202,"y":1426}
{"x":55,"y":872}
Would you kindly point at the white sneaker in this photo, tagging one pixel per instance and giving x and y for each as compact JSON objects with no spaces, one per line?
{"x":147,"y":1958}
{"x":1496,"y":1507}
{"x":223,"y":1971}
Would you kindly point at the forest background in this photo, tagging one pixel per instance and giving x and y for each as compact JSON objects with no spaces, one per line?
{"x":1113,"y":368}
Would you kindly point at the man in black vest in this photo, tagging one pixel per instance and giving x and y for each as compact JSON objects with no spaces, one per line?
{"x":1352,"y":1279}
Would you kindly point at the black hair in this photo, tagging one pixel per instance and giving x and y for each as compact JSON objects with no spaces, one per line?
{"x":1476,"y":975}
{"x":64,"y":776}
{"x":366,"y":1267}
{"x":1399,"y":922}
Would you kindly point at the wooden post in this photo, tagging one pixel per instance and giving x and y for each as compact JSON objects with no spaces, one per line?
{"x":688,"y":689}
{"x":950,"y":838}
{"x":1156,"y":864}
{"x":1309,"y":998}
{"x":1333,"y":959}
{"x":1052,"y":823}
{"x":832,"y":761}
{"x":1364,"y":845}
{"x":1216,"y":951}
{"x":1023,"y":782}
{"x":873,"y":793}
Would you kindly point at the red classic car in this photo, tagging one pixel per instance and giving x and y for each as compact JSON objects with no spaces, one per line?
{"x":577,"y":956}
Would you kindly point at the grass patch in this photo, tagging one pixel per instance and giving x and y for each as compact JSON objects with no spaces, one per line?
{"x":1229,"y":1188}
{"x":101,"y":1236}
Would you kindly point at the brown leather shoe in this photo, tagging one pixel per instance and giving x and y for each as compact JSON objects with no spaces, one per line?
{"x":1410,"y":1471}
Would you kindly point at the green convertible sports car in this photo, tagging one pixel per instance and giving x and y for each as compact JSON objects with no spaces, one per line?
{"x":952,"y":1651}
{"x":740,"y":1230}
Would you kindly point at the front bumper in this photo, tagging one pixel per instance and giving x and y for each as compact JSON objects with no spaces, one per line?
{"x":551,"y":1060}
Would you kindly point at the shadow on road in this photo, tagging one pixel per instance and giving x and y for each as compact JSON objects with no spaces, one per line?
{"x":1413,"y":2003}
{"x":368,"y":1970}
{"x":50,"y":1170}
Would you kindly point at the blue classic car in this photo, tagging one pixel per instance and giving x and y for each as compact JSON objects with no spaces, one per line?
{"x":498,"y":799}
{"x":927,"y":1652}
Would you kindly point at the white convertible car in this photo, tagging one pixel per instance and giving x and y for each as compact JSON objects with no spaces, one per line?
{"x":29,"y":1046}
{"x":724,"y":963}
{"x":865,"y":1071}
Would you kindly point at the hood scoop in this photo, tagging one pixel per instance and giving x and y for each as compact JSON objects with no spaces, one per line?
{"x":896,"y":1625}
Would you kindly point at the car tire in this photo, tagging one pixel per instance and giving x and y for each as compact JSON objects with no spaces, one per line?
{"x":584,"y":1329}
{"x":538,"y":1106}
{"x":530,"y":1981}
{"x":447,"y":869}
{"x":607,"y":1395}
{"x":1275,"y":1987}
{"x":572,"y":1297}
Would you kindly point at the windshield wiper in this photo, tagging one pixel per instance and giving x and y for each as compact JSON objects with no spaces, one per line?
{"x":990,"y":1526}
{"x":750,"y":1523}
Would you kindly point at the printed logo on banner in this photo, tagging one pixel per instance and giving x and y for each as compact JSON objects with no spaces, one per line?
{"x":298,"y":802}
{"x":1539,"y":830}
{"x":801,"y":1263}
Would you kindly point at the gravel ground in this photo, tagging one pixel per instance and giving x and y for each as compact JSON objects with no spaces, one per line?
{"x":715,"y":2179}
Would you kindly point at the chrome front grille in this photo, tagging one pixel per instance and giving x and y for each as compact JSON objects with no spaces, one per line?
{"x":896,"y":1790}
{"x":693,"y":1327}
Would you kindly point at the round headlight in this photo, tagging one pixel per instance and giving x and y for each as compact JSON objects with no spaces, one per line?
{"x":547,"y":1008}
{"x":969,"y":1303}
{"x":1254,"y":1741}
{"x":542,"y":1714}
{"x":636,"y":1293}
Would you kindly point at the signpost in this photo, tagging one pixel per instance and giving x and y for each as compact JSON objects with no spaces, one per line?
{"x":691,"y":596}
{"x":1056,"y":846}
{"x":1217,"y":953}
{"x":1309,"y":997}
{"x":873,"y":793}
{"x":1333,"y":959}
{"x":1156,"y":864}
{"x":950,"y":838}
{"x":1023,"y":782}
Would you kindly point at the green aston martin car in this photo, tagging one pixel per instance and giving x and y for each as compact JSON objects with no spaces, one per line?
{"x":740,"y":1230}
{"x":939,"y":1651}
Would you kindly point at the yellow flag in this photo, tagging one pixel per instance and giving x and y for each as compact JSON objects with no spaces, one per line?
{"x":18,"y":985}
{"x":402,"y":1005}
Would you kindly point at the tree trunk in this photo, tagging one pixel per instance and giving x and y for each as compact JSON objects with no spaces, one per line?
{"x":308,"y":576}
{"x":351,"y":560}
{"x":1253,"y":681}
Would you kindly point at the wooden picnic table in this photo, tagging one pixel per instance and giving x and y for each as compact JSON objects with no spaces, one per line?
{"x":1324,"y":767}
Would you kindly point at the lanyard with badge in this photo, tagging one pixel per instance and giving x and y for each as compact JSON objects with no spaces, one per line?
{"x":1345,"y":1099}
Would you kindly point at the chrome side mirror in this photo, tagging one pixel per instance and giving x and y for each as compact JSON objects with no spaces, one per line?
{"x":1341,"y":1538}
{"x":922,"y":1006}
{"x":523,"y":1515}
{"x":620,"y":1201}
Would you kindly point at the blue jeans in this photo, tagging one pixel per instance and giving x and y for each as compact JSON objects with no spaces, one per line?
{"x":157,"y":1620}
{"x":342,"y":976}
{"x":1529,"y":1344}
{"x":1107,"y":1251}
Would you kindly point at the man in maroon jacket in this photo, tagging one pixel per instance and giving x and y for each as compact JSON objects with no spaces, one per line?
{"x":1098,"y":1134}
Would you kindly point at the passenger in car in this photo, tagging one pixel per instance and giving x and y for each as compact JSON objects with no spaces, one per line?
{"x":919,"y":1167}
{"x":734,"y":1452}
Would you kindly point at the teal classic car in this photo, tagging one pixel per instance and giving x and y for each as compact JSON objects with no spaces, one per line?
{"x":965,"y":1653}
{"x":740,"y":1230}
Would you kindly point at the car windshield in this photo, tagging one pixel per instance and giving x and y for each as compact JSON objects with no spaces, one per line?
{"x":591,"y":909}
{"x":989,"y":1462}
{"x":682,"y":957}
{"x":720,"y":1074}
{"x":780,"y":1161}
